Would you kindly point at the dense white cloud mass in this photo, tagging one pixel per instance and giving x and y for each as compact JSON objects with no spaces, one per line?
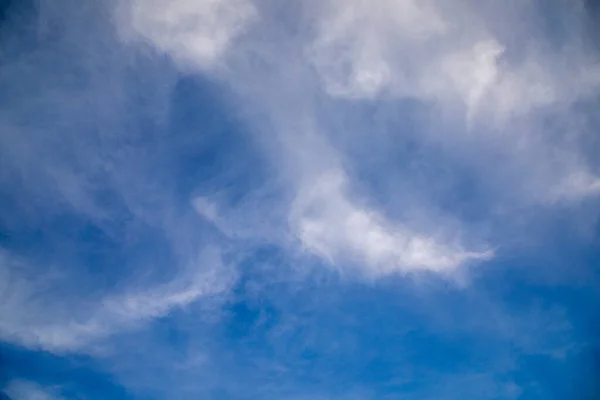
{"x":78,"y":321}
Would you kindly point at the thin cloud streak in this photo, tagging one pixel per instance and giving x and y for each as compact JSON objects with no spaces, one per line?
{"x":26,"y":390}
{"x":82,"y":324}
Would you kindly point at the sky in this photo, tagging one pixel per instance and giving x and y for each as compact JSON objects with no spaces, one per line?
{"x":299,"y":200}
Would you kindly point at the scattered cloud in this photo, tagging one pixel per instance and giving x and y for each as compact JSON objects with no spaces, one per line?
{"x":26,"y":390}
{"x":34,"y":318}
{"x":380,"y":142}
{"x":330,"y":225}
{"x":492,"y":82}
{"x":195,"y":33}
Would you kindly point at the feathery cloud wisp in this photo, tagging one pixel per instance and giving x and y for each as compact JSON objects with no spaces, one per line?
{"x":264,"y":162}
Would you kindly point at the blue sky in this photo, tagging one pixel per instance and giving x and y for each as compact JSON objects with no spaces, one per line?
{"x":316,"y":200}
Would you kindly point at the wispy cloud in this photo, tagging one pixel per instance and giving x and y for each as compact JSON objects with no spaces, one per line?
{"x":493,"y":82}
{"x":463,"y":56}
{"x":34,"y":318}
{"x":26,"y":390}
{"x":381,"y":142}
{"x":331,"y":226}
{"x":488,"y":94}
{"x":82,"y":157}
{"x":195,"y":33}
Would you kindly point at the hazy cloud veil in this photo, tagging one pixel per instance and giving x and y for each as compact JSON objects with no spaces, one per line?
{"x":338,"y":199}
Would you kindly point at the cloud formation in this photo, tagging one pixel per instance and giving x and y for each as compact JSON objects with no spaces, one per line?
{"x":331,"y":226}
{"x":453,"y":59}
{"x":195,"y":33}
{"x":26,"y":390}
{"x":79,"y":322}
{"x":314,"y":175}
{"x":490,"y":71}
{"x":488,"y":95}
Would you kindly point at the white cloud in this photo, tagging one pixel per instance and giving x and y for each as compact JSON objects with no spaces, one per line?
{"x":332,"y":226}
{"x":34,"y":316}
{"x":70,"y":147}
{"x":578,"y":185}
{"x":27,"y":390}
{"x":453,"y":58}
{"x":307,"y":100}
{"x":354,"y":47}
{"x":197,"y":34}
{"x":492,"y":78}
{"x":471,"y":74}
{"x":447,"y":57}
{"x":431,"y":51}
